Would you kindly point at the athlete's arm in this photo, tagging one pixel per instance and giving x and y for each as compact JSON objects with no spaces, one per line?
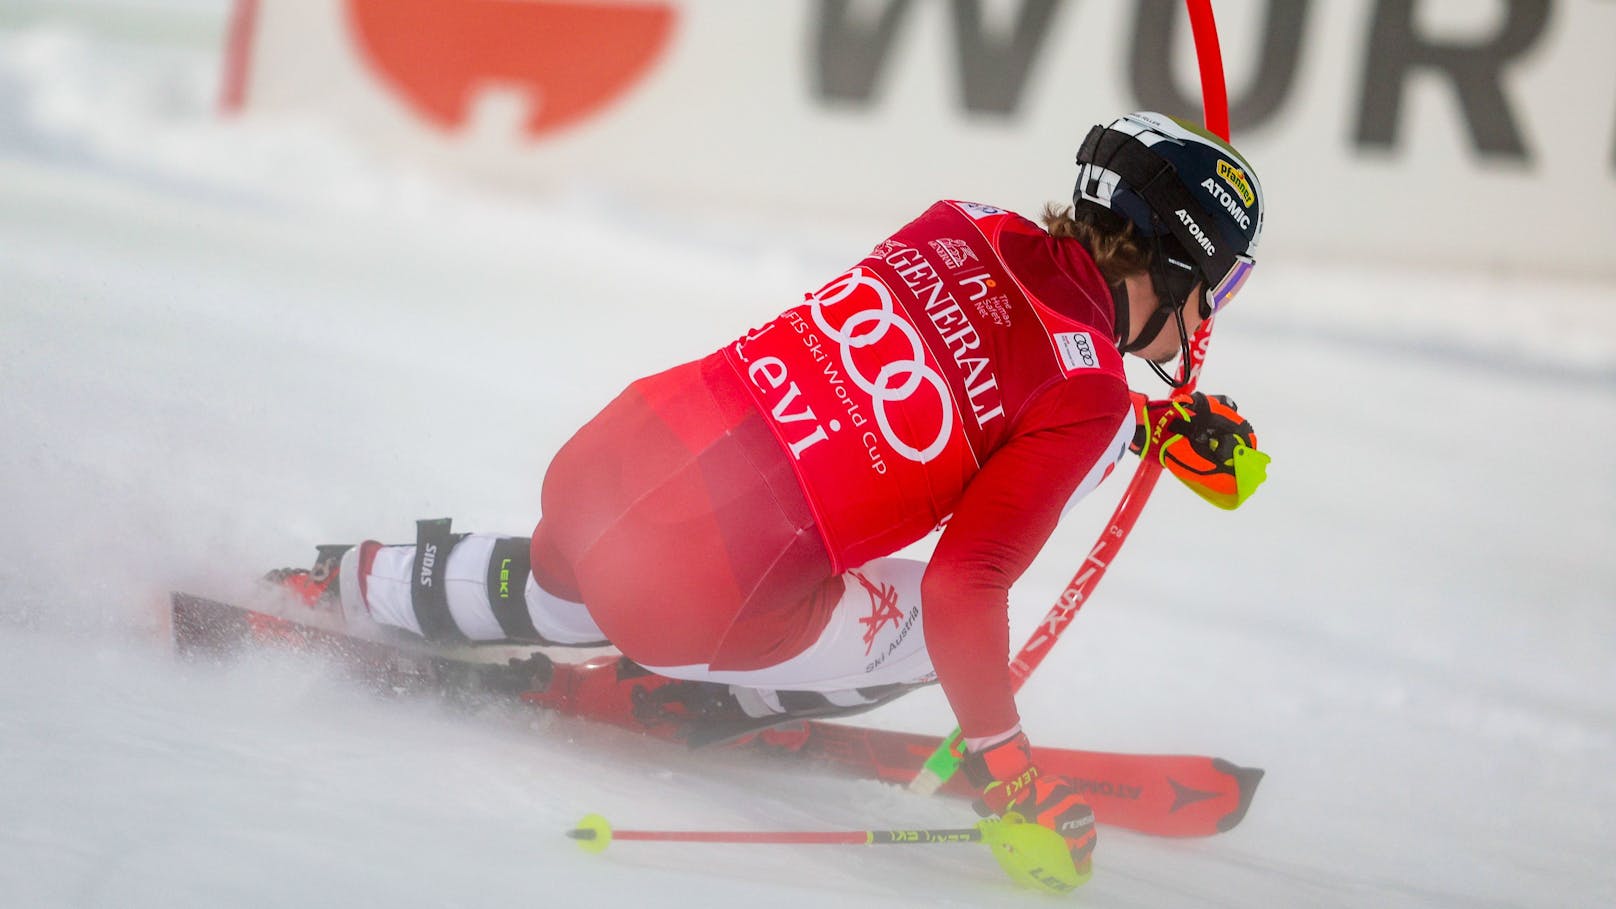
{"x":1004,"y":518}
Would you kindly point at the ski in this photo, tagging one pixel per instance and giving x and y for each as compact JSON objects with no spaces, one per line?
{"x":1157,"y":794}
{"x":1175,"y":795}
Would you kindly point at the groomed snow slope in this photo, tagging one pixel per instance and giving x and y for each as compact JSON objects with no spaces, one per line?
{"x":221,"y":344}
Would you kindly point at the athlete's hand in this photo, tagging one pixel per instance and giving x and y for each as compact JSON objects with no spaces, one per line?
{"x":1010,"y":781}
{"x":1205,"y":442}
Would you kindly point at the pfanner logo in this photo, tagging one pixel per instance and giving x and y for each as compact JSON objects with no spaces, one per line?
{"x":1236,"y":178}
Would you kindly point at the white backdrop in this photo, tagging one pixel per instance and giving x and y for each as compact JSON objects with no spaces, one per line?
{"x":1495,"y":147}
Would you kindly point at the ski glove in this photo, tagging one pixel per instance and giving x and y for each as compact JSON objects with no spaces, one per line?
{"x":1011,"y":782}
{"x":1205,"y":442}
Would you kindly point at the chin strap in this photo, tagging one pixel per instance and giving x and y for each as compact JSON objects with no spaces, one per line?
{"x":1152,"y":326}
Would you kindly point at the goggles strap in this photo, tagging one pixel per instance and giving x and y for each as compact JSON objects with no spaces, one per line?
{"x":1119,"y":303}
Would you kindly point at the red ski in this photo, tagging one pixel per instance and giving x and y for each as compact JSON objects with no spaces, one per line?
{"x":1162,"y":795}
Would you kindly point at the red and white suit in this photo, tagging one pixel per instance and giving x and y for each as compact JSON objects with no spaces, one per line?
{"x":729,"y":518}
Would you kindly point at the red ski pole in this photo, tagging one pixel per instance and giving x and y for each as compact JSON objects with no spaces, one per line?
{"x":945,"y":761}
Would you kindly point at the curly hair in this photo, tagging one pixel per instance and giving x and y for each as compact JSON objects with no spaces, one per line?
{"x":1117,"y":247}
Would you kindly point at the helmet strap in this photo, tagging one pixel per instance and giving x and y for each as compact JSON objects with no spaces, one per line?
{"x":1151,"y":328}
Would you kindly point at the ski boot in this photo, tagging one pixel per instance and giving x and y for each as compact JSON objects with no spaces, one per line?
{"x":314,"y":587}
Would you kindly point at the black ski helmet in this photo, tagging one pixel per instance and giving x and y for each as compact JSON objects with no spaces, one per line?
{"x":1187,"y":189}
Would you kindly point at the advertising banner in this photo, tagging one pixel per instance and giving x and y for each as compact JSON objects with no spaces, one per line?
{"x":1414,"y":131}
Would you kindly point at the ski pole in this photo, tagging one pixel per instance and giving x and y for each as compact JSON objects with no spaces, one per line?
{"x":1033,"y":855}
{"x":594,"y":834}
{"x":944,"y":762}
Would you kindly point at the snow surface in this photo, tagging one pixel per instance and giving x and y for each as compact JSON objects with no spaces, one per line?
{"x":222,"y":343}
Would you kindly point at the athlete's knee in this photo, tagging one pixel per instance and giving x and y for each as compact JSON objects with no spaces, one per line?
{"x":553,"y":570}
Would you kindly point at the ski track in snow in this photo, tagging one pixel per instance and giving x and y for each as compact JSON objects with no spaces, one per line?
{"x":221,"y":344}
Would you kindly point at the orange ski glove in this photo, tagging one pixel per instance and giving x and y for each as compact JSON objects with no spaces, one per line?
{"x":1205,"y":442}
{"x":1011,"y":782}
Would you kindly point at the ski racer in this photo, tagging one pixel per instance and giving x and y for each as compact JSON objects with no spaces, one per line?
{"x":731,"y":521}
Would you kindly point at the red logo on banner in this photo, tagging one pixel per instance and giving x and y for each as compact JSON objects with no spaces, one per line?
{"x":572,"y":59}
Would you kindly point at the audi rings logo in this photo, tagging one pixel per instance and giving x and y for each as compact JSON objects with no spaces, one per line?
{"x":898,"y":378}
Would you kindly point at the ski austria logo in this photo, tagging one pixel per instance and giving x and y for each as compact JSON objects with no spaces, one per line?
{"x":883,"y":610}
{"x":885,"y":336}
{"x":1236,"y":178}
{"x":1077,"y":350}
{"x":568,"y":60}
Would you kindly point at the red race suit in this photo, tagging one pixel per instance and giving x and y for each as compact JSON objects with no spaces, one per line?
{"x":962,"y":376}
